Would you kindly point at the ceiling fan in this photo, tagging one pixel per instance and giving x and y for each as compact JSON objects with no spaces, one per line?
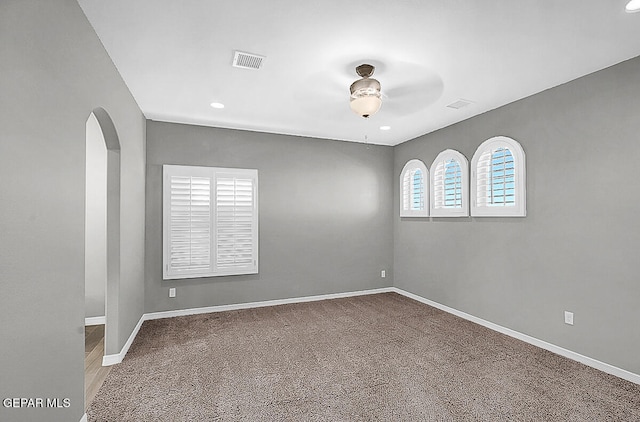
{"x":399,"y":89}
{"x":409,"y":88}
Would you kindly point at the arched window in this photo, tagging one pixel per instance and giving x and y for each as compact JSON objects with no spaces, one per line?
{"x":498,"y":179}
{"x":450,"y":185}
{"x":414,"y":195}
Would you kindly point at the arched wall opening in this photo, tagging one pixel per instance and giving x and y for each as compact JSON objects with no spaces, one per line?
{"x":102,"y":224}
{"x":95,"y":244}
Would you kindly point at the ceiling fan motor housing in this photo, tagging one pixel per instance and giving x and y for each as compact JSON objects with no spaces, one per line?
{"x":365,"y":70}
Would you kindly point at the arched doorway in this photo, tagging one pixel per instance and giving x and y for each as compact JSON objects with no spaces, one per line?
{"x":102,"y":241}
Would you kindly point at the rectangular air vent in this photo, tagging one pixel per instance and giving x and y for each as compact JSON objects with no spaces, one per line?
{"x":247,"y":60}
{"x":459,"y":104}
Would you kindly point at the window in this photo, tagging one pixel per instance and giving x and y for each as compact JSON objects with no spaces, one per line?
{"x":450,"y":185}
{"x":498,"y":181}
{"x":210,"y":221}
{"x":414,"y":197}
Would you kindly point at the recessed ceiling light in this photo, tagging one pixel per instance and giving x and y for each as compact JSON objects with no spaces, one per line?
{"x":217,"y":105}
{"x":385,"y":127}
{"x":633,"y":6}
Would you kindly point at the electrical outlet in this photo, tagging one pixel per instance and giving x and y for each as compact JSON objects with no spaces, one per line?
{"x":568,"y":317}
{"x":383,"y":273}
{"x":172,"y":292}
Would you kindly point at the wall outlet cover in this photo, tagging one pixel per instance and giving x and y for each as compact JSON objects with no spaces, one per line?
{"x":568,"y":317}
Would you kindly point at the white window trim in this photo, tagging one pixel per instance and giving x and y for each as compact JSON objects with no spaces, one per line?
{"x":519,"y":209}
{"x":409,"y":166}
{"x":444,"y":157}
{"x":213,"y":173}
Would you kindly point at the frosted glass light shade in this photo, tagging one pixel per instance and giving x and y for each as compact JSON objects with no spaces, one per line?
{"x":366,"y":106}
{"x":365,"y":95}
{"x":633,"y":6}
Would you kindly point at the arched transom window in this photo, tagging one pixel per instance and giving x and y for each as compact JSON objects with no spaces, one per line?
{"x":450,"y":185}
{"x":498,"y":179}
{"x":414,"y":195}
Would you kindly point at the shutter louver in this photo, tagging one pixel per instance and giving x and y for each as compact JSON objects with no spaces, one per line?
{"x":190,"y":224}
{"x":234,"y":223}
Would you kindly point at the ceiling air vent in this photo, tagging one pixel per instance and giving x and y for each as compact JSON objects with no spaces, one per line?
{"x":459,"y":104}
{"x":247,"y":60}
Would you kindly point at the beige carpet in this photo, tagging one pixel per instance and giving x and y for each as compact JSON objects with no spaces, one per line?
{"x":381,"y":357}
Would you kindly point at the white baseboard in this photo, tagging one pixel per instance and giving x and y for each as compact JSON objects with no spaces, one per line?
{"x":261,"y":304}
{"x":602,"y":366}
{"x":108,"y":360}
{"x":84,"y":418}
{"x":96,"y":320}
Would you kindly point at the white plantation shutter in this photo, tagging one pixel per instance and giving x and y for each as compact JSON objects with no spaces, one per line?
{"x":210,"y":221}
{"x":414,"y":197}
{"x":407,"y":192}
{"x":483,"y":179}
{"x":450,"y":185}
{"x":498,"y":186}
{"x":413,"y":190}
{"x":235,"y":222}
{"x":190,"y":224}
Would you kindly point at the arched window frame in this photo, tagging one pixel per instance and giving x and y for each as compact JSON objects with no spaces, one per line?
{"x":410,"y":168}
{"x":479,"y":166}
{"x":438,"y":208}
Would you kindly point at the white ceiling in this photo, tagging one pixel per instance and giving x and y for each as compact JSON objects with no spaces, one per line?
{"x":175,"y":57}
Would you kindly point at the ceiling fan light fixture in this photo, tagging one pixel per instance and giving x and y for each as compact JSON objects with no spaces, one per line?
{"x":633,"y":6}
{"x":365,"y":99}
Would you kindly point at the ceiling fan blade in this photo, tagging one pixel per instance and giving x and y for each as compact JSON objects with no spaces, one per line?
{"x":413,"y":96}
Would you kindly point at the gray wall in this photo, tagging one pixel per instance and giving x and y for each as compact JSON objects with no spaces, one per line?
{"x":325,"y":214}
{"x":54,"y":73}
{"x":95,"y":222}
{"x":578,"y":247}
